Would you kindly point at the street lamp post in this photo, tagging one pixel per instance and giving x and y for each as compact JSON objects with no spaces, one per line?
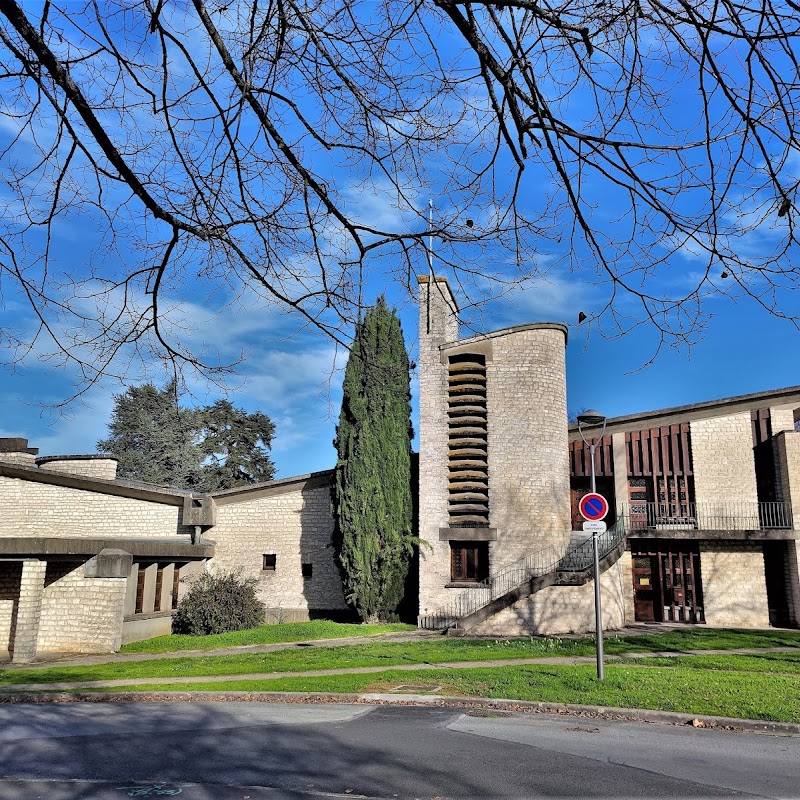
{"x":590,"y":418}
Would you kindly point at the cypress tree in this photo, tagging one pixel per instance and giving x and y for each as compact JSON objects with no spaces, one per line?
{"x":372,"y":488}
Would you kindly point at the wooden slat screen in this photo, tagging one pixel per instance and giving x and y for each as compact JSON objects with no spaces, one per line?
{"x":580,"y":463}
{"x":659,"y":451}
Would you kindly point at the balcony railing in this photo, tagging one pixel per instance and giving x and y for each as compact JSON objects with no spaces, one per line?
{"x":707,"y":516}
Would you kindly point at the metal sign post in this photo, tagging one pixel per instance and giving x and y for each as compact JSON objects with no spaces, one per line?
{"x":593,"y":508}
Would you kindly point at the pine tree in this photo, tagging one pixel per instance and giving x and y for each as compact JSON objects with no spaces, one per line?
{"x":153,"y":437}
{"x":235,"y":445}
{"x":372,"y":488}
{"x":157,"y":440}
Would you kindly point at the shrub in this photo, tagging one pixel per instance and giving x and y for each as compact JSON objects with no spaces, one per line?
{"x":218,"y":603}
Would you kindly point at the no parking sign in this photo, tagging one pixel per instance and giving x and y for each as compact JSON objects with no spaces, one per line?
{"x":593,"y":506}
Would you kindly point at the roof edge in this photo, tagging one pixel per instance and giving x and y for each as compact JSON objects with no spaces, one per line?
{"x":530,"y":326}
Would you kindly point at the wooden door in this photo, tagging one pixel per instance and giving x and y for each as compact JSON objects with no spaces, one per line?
{"x":646,"y":589}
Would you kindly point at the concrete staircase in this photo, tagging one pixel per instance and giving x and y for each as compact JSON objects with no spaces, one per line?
{"x":550,"y":567}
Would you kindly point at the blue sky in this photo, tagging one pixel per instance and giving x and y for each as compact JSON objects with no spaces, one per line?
{"x":294,"y":375}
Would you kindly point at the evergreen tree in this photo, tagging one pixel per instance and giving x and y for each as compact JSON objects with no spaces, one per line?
{"x":153,"y":438}
{"x":158,"y":441}
{"x":235,"y":445}
{"x":372,"y":490}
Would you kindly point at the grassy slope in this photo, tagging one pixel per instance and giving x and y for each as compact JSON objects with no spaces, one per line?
{"x":682,"y":688}
{"x":266,"y":634}
{"x":439,"y":650}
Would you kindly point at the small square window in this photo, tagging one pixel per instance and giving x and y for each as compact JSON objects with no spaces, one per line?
{"x":308,"y":570}
{"x":270,"y":562}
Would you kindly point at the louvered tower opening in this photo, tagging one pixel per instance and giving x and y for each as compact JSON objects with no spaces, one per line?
{"x":468,"y":466}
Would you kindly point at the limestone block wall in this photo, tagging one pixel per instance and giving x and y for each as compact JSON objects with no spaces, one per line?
{"x":29,"y":608}
{"x":40,"y":509}
{"x":781,"y":419}
{"x":529,"y":496}
{"x":787,"y":451}
{"x":724,"y":471}
{"x":565,"y":609}
{"x":18,"y":459}
{"x":439,"y":312}
{"x":79,"y":614}
{"x":10,"y":575}
{"x":85,"y":466}
{"x":734,"y":584}
{"x":296,"y":527}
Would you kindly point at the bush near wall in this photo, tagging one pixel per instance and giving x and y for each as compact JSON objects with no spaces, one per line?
{"x":218,"y":603}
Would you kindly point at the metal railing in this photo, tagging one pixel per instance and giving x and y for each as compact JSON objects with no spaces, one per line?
{"x":707,"y":516}
{"x":552,"y":559}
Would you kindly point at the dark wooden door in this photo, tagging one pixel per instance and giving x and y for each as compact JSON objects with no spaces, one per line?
{"x":646,"y":589}
{"x":667,"y":585}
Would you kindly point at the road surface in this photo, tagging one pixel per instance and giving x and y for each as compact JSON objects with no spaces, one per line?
{"x":200,"y":751}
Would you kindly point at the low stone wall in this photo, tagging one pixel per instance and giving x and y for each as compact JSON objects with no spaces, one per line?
{"x":564,"y":609}
{"x":79,"y":614}
{"x":734,"y":585}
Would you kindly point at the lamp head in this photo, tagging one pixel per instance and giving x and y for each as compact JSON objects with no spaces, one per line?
{"x":591,"y":417}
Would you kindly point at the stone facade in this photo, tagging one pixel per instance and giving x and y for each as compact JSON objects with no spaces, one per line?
{"x":79,"y":614}
{"x":438,"y":323}
{"x":99,"y":466}
{"x":32,"y":508}
{"x":88,"y":561}
{"x":564,"y":609}
{"x":528,"y":469}
{"x":293,"y":523}
{"x":724,"y":471}
{"x":787,"y":451}
{"x":734,"y":587}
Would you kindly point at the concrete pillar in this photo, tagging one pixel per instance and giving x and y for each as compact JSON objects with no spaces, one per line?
{"x":149,"y":588}
{"x":793,"y":581}
{"x":166,"y":587}
{"x":130,"y":591}
{"x":787,"y":448}
{"x":620,"y":472}
{"x":626,"y":570}
{"x":29,"y":609}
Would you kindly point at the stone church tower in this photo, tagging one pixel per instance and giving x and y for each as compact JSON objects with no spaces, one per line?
{"x":494,"y":475}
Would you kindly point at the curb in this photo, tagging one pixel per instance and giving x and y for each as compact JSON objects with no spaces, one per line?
{"x":510,"y":706}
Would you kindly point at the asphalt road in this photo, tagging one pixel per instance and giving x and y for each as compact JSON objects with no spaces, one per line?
{"x":201,"y":751}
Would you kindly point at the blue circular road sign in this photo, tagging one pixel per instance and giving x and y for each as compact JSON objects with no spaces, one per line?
{"x":593,"y":506}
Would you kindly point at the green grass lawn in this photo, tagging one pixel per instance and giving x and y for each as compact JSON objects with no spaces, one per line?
{"x":677,"y":688}
{"x":388,"y":654}
{"x":757,"y":686}
{"x":266,"y":634}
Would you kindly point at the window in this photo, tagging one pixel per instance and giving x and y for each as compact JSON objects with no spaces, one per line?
{"x":307,"y":570}
{"x":270,"y":562}
{"x":469,"y":561}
